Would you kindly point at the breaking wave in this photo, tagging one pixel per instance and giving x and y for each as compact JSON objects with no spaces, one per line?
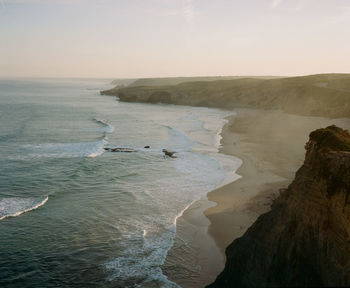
{"x":106,"y":127}
{"x":12,"y":207}
{"x":67,"y":150}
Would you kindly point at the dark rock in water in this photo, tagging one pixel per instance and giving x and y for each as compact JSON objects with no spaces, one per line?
{"x":125,"y":150}
{"x":169,"y":153}
{"x":305,"y":239}
{"x":147,"y":147}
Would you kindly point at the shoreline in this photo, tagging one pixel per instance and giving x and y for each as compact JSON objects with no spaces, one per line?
{"x":271,"y":145}
{"x":192,"y":244}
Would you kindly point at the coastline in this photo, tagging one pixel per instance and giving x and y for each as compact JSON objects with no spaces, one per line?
{"x":270,"y":144}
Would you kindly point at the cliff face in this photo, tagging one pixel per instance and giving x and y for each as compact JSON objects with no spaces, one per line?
{"x":305,"y":239}
{"x":317,"y":95}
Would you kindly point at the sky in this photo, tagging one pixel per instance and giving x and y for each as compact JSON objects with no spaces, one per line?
{"x":165,"y":38}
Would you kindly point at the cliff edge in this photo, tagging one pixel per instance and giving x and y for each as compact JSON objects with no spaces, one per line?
{"x":305,"y":239}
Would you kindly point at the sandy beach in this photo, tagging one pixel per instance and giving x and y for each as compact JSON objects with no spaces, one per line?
{"x":271,"y":145}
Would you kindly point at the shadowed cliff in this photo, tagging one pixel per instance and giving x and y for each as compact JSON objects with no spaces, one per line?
{"x":316,"y":95}
{"x":305,"y":239}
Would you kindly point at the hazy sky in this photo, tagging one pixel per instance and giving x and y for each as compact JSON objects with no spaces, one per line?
{"x":154,"y":38}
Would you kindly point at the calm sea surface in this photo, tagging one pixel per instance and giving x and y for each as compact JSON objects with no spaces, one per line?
{"x":96,"y":218}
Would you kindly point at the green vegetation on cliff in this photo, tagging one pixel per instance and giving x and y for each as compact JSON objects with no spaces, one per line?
{"x":315,"y":95}
{"x":177,"y":80}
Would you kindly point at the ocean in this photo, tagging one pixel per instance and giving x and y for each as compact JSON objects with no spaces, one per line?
{"x":75,"y":215}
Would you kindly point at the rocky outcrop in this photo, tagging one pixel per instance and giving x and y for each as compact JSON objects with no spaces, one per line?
{"x":316,"y":95}
{"x":305,"y":239}
{"x":118,"y":149}
{"x":168,"y":153}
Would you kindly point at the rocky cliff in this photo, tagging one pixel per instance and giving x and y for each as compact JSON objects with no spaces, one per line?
{"x":305,"y":239}
{"x":316,"y":95}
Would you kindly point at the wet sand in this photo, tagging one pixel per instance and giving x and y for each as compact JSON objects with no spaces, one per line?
{"x":271,"y":146}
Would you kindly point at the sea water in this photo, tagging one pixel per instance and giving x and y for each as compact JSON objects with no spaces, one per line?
{"x":75,"y":215}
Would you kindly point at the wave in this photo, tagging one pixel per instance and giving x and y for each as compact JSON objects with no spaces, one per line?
{"x":142,"y":255}
{"x":107,"y":127}
{"x":140,"y":266}
{"x":179,"y":140}
{"x":12,"y":207}
{"x":67,"y":150}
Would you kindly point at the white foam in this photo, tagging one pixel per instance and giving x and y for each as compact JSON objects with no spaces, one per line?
{"x":107,"y":127}
{"x":142,"y":263}
{"x":195,"y":136}
{"x":182,"y":211}
{"x":12,"y":207}
{"x":230,"y":164}
{"x":207,"y":144}
{"x":218,"y":136}
{"x":67,"y":150}
{"x":179,"y":140}
{"x":144,"y":234}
